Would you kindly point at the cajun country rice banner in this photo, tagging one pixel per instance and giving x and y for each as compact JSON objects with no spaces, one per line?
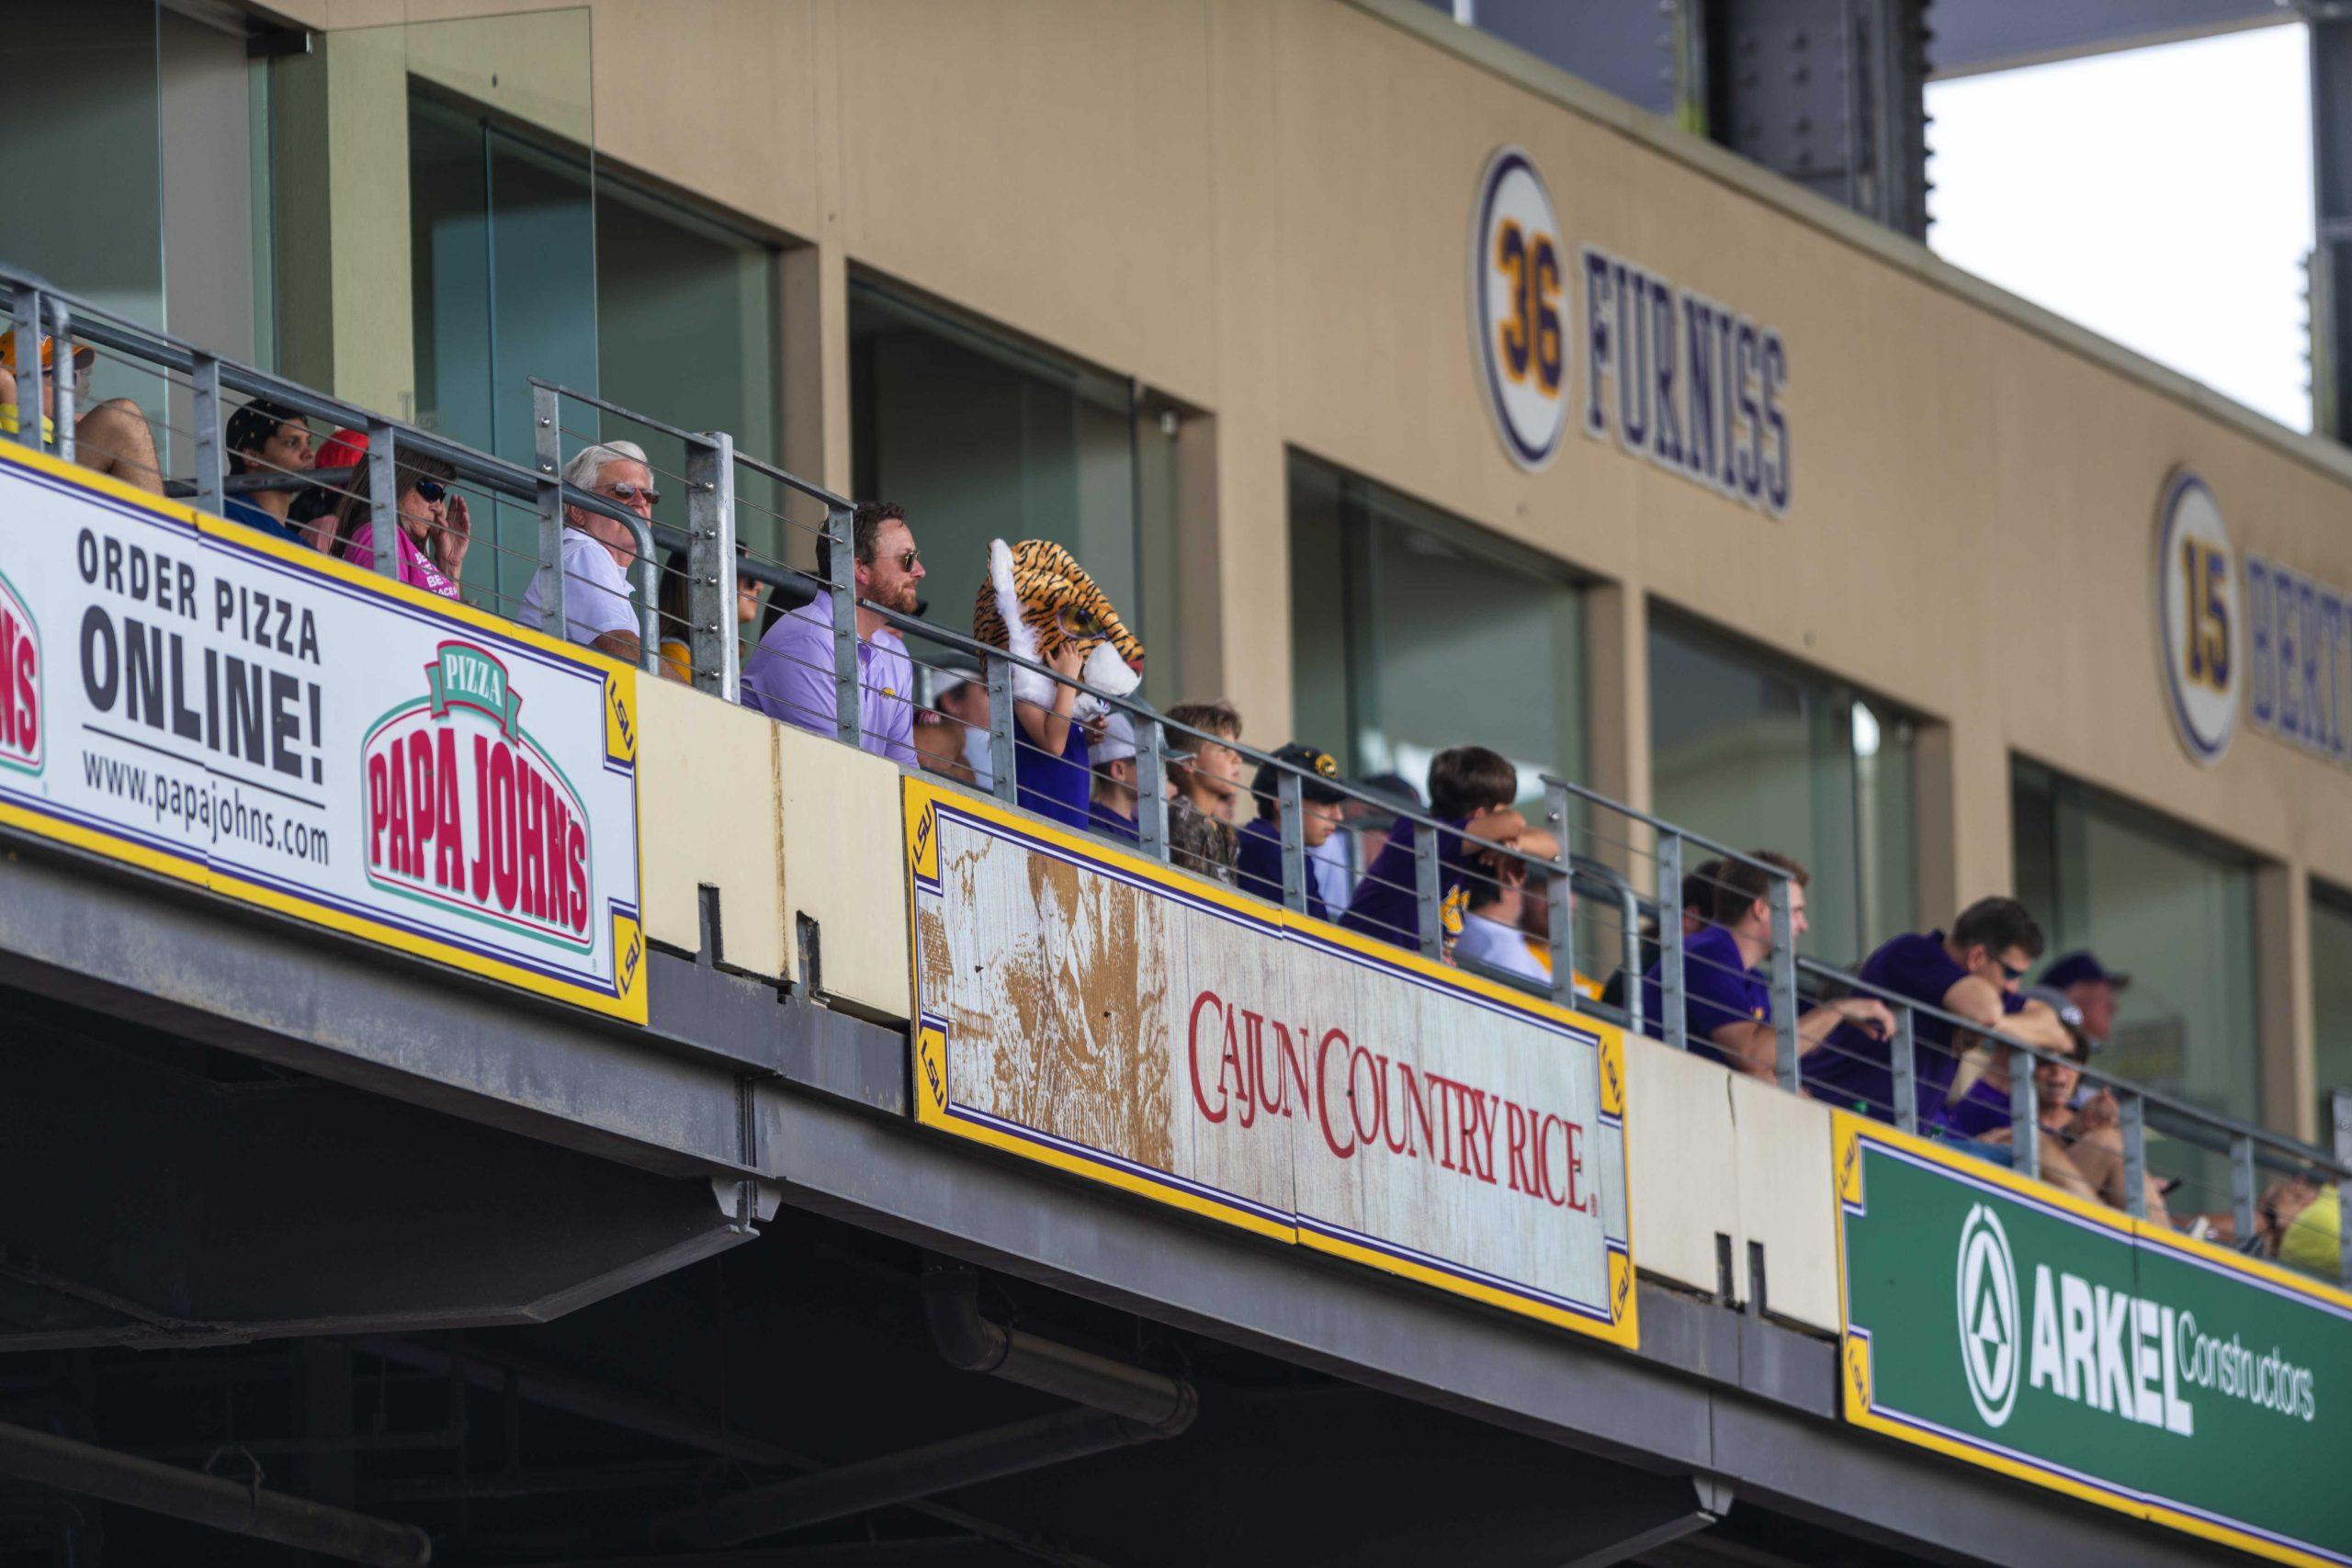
{"x":183,"y":694}
{"x":1087,"y":1009}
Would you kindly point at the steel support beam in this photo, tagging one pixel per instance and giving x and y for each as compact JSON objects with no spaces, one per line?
{"x":2331,"y":265}
{"x":1831,"y":93}
{"x":215,"y":1501}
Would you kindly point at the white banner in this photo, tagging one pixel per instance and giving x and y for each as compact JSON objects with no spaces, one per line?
{"x":197,"y":699}
{"x":1086,"y":1008}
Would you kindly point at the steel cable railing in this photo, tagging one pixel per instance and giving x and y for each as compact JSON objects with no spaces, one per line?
{"x":1442,"y":856}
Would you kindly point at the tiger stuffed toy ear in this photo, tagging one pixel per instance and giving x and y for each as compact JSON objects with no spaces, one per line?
{"x":1036,"y":601}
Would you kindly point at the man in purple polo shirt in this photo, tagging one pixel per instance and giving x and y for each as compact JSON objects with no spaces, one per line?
{"x":790,"y":676}
{"x":1727,"y":1002}
{"x":1972,"y":974}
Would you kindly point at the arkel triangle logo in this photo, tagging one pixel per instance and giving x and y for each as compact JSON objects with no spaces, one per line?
{"x":1989,"y":1315}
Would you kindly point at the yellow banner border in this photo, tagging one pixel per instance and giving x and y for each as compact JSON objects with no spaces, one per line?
{"x":628,"y":1001}
{"x":920,"y":800}
{"x":1849,"y":1132}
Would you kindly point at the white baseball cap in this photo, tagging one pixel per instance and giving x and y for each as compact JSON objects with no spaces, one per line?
{"x":1118,"y":743}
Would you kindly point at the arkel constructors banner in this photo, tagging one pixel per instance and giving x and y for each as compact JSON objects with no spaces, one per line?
{"x":202,"y":701}
{"x":2004,"y":1322}
{"x":1091,"y":1010}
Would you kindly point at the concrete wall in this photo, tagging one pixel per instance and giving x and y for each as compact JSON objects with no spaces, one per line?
{"x":787,"y":827}
{"x":1713,"y":1153}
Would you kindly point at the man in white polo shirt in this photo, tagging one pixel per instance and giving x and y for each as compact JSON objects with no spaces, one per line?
{"x":599,"y":601}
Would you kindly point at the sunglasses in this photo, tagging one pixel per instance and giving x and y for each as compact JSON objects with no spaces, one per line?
{"x":2011,"y":970}
{"x":626,"y":493}
{"x":907,"y":559}
{"x":432,"y":491}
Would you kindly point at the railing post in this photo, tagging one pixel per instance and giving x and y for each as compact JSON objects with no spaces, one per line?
{"x":1151,"y":785}
{"x":1429,"y":897}
{"x":2134,"y":1116}
{"x":1670,"y":943}
{"x":1560,"y":896}
{"x":1629,"y":939}
{"x":2025,"y":1114}
{"x":2242,"y":1180}
{"x":713,"y":639}
{"x":1786,"y":1068}
{"x":2339,"y":1104}
{"x":841,"y":557}
{"x":546,"y":439}
{"x":211,"y":459}
{"x":61,"y":328}
{"x":31,"y":318}
{"x":383,"y":498}
{"x":1905,"y":1062}
{"x":1291,"y":806}
{"x":649,"y":602}
{"x":1000,"y":732}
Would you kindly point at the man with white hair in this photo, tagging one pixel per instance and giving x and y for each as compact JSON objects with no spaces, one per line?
{"x":598,"y":599}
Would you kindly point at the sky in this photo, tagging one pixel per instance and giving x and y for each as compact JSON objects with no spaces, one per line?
{"x":2160,"y":196}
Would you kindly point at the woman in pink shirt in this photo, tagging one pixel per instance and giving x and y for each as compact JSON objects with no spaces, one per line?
{"x":435,"y":528}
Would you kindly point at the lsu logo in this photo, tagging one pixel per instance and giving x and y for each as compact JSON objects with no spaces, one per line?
{"x":1515,"y":307}
{"x":20,"y":705}
{"x":467,"y":813}
{"x":2201,"y":617}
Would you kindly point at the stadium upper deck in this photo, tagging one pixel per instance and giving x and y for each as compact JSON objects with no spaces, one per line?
{"x":1641,"y":549}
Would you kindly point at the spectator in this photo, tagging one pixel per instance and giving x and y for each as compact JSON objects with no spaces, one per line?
{"x":312,"y":517}
{"x":1491,"y":931}
{"x":671,"y":614}
{"x":111,"y":438}
{"x":2090,"y":986}
{"x":2300,"y":1219}
{"x":264,"y":437}
{"x":1113,"y":810}
{"x":1727,"y":1002}
{"x":1535,"y":929}
{"x":1365,"y":825}
{"x":1698,"y":900}
{"x":1471,"y":790}
{"x":1206,"y":776}
{"x":2082,"y":1148}
{"x":790,"y":676}
{"x":961,"y":697}
{"x":1053,"y":767}
{"x":1258,"y":856}
{"x":1972,"y":974}
{"x":431,"y":518}
{"x":936,"y":751}
{"x":597,"y":550}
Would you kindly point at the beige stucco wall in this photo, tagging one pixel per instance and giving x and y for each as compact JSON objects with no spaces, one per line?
{"x":1261,"y":208}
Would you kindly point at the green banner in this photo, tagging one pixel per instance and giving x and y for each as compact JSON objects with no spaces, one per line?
{"x":2004,"y":1322}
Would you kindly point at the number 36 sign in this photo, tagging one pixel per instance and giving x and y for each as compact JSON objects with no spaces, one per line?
{"x":1515,"y":285}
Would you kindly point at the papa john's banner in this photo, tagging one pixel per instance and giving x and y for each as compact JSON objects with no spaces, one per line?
{"x":1089,"y":1009}
{"x":2004,"y":1322}
{"x":203,"y":701}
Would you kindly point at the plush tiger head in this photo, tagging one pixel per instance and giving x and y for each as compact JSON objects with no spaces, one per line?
{"x":1036,"y":601}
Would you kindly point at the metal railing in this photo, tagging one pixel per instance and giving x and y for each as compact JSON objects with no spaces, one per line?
{"x":1444,"y":858}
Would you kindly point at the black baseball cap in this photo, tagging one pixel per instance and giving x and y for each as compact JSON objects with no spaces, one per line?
{"x":1315,"y":763}
{"x":2073,"y":968}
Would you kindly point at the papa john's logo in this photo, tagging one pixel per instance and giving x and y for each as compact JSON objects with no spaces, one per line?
{"x":1989,"y":1315}
{"x":466,"y":812}
{"x":1515,"y":280}
{"x":20,"y":705}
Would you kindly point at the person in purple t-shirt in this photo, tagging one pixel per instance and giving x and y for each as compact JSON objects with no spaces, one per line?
{"x":1726,"y":1003}
{"x":1471,"y":791}
{"x":1972,"y":974}
{"x":790,"y":675}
